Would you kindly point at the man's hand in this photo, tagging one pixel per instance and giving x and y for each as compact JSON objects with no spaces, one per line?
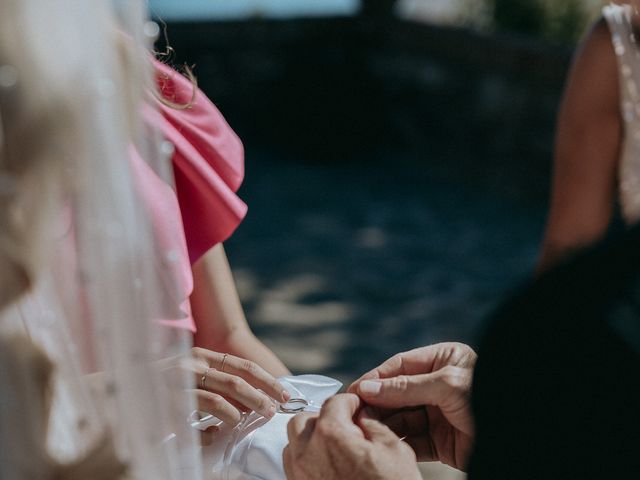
{"x":332,"y":446}
{"x":424,"y":395}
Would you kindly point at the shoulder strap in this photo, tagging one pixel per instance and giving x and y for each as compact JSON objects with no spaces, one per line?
{"x":619,"y":20}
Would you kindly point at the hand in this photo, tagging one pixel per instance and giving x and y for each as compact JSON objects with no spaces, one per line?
{"x":332,"y":447}
{"x":228,"y":385}
{"x":424,"y":395}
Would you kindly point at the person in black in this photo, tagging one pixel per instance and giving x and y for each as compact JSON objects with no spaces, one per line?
{"x":554,"y":391}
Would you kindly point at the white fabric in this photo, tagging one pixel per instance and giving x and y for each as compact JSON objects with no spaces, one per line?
{"x":82,"y":68}
{"x":619,"y":19}
{"x":253,"y":450}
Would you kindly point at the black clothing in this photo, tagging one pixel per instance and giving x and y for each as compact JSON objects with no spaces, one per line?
{"x":556,"y":390}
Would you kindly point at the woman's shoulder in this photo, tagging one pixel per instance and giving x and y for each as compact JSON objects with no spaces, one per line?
{"x":598,"y":39}
{"x":596,"y":62}
{"x":208,"y":160}
{"x":198,"y":130}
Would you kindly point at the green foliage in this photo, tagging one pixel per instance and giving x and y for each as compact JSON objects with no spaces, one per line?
{"x":559,"y":20}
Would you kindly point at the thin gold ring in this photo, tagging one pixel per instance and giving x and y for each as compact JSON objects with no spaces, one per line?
{"x":203,"y":380}
{"x":224,"y":359}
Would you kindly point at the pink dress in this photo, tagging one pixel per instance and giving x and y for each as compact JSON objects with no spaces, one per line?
{"x":208,"y":164}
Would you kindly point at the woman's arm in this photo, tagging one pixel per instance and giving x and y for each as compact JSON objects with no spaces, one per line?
{"x":588,"y":140}
{"x":220,"y":320}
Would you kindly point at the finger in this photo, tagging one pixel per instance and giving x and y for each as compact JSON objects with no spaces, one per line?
{"x":423,"y":448}
{"x":421,"y":360}
{"x":408,"y":422}
{"x":249,"y":371}
{"x":448,"y":387}
{"x":341,"y":407}
{"x":238,"y":390}
{"x":398,"y":365}
{"x":336,"y":417}
{"x":377,"y":432}
{"x":208,"y":436}
{"x":380,"y":413}
{"x":300,"y":428}
{"x":216,"y":405}
{"x":369,"y":412}
{"x":287,"y":462}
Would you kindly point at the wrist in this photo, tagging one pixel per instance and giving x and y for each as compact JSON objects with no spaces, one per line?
{"x":244,"y":344}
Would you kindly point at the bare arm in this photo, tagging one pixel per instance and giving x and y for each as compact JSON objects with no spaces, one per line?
{"x":588,"y":142}
{"x":222,"y":326}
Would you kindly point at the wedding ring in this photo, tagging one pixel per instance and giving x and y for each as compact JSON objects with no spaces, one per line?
{"x":224,"y":359}
{"x":295,"y":405}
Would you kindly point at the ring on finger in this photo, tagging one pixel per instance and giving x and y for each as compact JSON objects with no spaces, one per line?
{"x":224,"y":359}
{"x":203,"y":380}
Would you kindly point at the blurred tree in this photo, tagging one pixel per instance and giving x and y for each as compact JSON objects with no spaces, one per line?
{"x":566,"y":19}
{"x":560,"y":20}
{"x":526,"y":16}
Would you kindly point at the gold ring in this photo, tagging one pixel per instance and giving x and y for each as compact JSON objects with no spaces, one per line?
{"x":203,"y":380}
{"x":224,"y":359}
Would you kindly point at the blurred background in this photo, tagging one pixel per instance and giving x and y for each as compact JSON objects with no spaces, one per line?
{"x":398,"y":158}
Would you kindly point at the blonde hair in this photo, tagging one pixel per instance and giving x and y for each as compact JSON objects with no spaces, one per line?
{"x":167,"y":56}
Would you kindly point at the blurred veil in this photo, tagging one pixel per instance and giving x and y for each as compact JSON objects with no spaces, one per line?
{"x":89,"y":377}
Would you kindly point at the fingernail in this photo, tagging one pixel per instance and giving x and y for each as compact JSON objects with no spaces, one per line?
{"x":271,"y":412}
{"x":370,"y":388}
{"x":286,"y":396}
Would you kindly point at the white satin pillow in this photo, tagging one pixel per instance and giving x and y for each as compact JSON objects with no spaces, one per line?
{"x":253,"y":450}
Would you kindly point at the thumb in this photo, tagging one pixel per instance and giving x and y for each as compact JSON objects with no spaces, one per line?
{"x":438,"y":389}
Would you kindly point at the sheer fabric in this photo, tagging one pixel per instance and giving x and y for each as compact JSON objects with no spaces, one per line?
{"x":619,"y":19}
{"x":83,"y":276}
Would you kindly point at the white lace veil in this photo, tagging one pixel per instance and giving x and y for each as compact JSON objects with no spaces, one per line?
{"x":83,"y":281}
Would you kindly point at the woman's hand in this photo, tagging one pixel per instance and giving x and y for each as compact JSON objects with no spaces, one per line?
{"x":228,"y":386}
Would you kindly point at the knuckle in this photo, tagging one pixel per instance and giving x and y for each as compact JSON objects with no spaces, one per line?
{"x":400,"y":383}
{"x":461,"y":354}
{"x":396,"y":362}
{"x":248,"y":366}
{"x":263,"y":403}
{"x":453,"y":378}
{"x":234,"y":382}
{"x":216,"y":402}
{"x":458,"y":349}
{"x":197,"y":352}
{"x":326,"y":429}
{"x":275,"y":385}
